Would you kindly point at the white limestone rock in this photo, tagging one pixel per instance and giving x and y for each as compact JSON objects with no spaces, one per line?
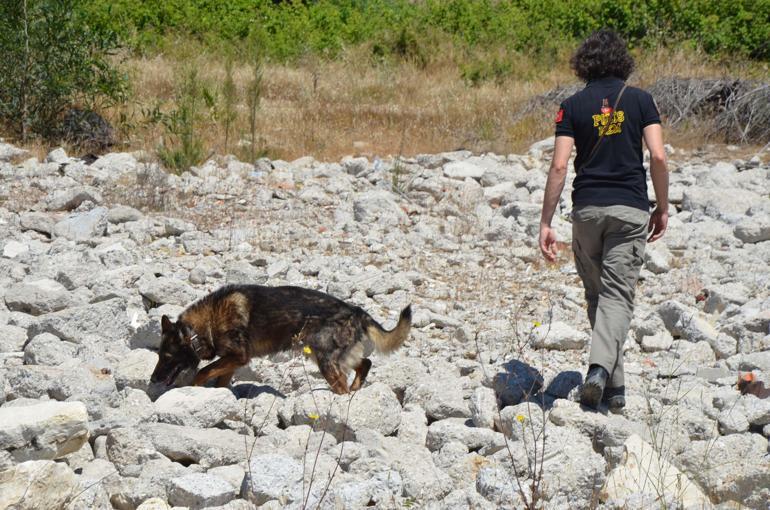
{"x":37,"y":484}
{"x":200,"y":490}
{"x":46,"y":430}
{"x":643,"y":469}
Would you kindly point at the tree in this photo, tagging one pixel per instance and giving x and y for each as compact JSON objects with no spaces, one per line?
{"x":52,"y":60}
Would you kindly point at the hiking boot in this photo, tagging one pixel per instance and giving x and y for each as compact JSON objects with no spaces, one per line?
{"x":593,"y":387}
{"x":615,"y":398}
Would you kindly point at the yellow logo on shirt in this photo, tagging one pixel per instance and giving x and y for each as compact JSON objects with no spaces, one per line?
{"x":604,"y":124}
{"x":601,"y":121}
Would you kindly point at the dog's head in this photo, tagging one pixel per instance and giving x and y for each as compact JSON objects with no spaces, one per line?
{"x":176,"y":352}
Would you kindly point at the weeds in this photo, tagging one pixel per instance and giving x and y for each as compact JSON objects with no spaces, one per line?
{"x":229,"y":114}
{"x":254,"y":93}
{"x":183,"y":146}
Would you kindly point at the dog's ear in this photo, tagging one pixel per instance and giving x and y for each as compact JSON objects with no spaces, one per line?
{"x":165,"y":324}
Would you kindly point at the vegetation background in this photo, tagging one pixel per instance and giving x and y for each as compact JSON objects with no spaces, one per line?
{"x":186,"y":79}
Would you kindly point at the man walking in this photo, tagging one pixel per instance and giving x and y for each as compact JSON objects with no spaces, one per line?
{"x":611,"y":223}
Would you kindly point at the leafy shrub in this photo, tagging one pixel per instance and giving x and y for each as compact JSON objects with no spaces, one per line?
{"x":183,"y":146}
{"x":296,"y":27}
{"x":52,"y":60}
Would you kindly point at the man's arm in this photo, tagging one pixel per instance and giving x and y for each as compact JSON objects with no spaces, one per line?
{"x":653,"y":138}
{"x":557,"y":174}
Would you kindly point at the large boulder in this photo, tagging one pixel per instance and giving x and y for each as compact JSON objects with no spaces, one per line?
{"x":83,"y":227}
{"x":128,"y":449}
{"x":373,"y":407}
{"x":731,"y":468}
{"x":47,"y":349}
{"x":473,"y":438}
{"x":48,"y":430}
{"x":421,"y":478}
{"x":166,"y":290}
{"x":37,"y":221}
{"x":578,"y":485}
{"x":154,"y":480}
{"x":12,"y":338}
{"x":688,"y":323}
{"x":194,"y":406}
{"x":273,"y":477}
{"x":209,"y":447}
{"x":643,"y":470}
{"x":462,"y":170}
{"x":558,"y":336}
{"x":135,"y":368}
{"x":70,"y":198}
{"x":71,"y":380}
{"x":754,"y":229}
{"x":483,"y":406}
{"x":378,"y":207}
{"x":37,"y":297}
{"x":440,"y":397}
{"x":726,"y":204}
{"x":199,"y":490}
{"x":106,"y":319}
{"x":37,"y":484}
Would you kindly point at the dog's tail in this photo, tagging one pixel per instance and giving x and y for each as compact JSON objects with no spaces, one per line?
{"x":388,"y":341}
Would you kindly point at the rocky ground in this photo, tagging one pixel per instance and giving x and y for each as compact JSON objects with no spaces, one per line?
{"x":477,"y":410}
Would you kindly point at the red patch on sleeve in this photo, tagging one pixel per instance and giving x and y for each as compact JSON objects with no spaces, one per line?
{"x":560,"y":115}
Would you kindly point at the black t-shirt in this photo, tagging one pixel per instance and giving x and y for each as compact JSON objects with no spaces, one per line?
{"x":615,"y":175}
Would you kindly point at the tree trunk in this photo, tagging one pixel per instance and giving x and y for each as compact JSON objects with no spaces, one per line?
{"x":25,"y":76}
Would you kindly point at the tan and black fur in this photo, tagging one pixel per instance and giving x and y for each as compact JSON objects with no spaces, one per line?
{"x":239,"y":322}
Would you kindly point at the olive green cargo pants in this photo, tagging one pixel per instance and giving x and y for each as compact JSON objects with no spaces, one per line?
{"x":608,"y":243}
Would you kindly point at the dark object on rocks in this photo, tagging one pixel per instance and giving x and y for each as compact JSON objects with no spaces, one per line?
{"x":550,"y":100}
{"x":89,"y":158}
{"x":739,"y":109}
{"x":593,"y":388}
{"x":87,"y":130}
{"x":747,"y":385}
{"x":615,"y":398}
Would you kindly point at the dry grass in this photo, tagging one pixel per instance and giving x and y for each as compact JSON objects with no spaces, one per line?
{"x":349,"y":106}
{"x":331,"y":109}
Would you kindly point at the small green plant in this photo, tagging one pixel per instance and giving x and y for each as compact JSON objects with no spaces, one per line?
{"x":255,"y":59}
{"x":182,"y":146}
{"x":478,"y":71}
{"x":229,"y":114}
{"x":396,"y":176}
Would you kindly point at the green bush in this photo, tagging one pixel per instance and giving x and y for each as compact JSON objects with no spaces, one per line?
{"x":52,"y":60}
{"x":295,"y":27}
{"x":182,"y":145}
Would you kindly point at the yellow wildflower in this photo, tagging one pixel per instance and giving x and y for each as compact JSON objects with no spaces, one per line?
{"x":307,"y":350}
{"x":520,"y":418}
{"x":536,"y":324}
{"x":313,"y":416}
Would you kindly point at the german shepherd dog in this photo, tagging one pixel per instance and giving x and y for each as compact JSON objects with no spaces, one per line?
{"x":239,"y":322}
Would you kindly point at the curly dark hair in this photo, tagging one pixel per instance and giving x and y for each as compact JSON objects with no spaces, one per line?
{"x":602,"y":54}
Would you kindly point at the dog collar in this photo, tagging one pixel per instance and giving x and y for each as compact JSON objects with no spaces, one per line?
{"x":197,"y":344}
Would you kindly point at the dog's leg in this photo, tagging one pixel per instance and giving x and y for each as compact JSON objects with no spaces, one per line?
{"x":221,"y":368}
{"x":223,"y":381}
{"x":361,"y":371}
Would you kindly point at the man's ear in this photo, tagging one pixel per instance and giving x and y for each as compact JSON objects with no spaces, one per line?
{"x":165,"y":324}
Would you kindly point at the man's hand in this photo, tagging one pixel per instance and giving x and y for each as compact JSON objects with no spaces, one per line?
{"x":658,"y":224}
{"x":548,"y":242}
